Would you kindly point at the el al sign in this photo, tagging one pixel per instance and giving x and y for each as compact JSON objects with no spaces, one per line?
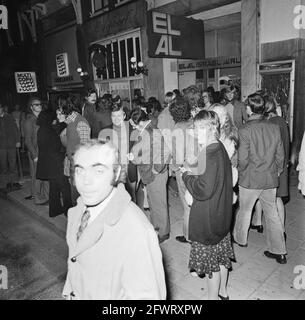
{"x":174,"y":37}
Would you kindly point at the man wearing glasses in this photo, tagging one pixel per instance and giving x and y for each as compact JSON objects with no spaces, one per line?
{"x":39,"y":188}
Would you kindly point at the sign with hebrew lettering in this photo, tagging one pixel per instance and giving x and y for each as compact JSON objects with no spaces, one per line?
{"x":26,"y":82}
{"x":62,"y":65}
{"x":174,"y":37}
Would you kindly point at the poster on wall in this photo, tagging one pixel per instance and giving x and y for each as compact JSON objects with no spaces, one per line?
{"x":26,"y":82}
{"x":62,"y":65}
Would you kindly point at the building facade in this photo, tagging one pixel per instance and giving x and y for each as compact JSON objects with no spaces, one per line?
{"x":255,"y":44}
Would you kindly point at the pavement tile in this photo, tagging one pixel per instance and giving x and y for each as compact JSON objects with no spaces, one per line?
{"x":298,"y":257}
{"x":255,"y":270}
{"x":302,"y":295}
{"x":175,"y":292}
{"x":293,"y":244}
{"x":296,"y":233}
{"x":269,"y":292}
{"x":283,"y":280}
{"x":243,"y":254}
{"x":194,"y":285}
{"x":239,"y":290}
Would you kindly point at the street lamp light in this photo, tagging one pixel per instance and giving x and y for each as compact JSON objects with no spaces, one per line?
{"x":138,"y":67}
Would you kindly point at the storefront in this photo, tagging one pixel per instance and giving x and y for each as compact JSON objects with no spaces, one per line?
{"x":212,"y":72}
{"x":221,"y":65}
{"x":62,"y":64}
{"x":120,"y":77}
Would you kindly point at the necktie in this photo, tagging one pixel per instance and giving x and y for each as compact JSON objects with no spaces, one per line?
{"x":83,"y":223}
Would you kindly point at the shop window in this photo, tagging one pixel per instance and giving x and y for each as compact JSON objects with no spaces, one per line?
{"x":119,"y":52}
{"x":119,"y":77}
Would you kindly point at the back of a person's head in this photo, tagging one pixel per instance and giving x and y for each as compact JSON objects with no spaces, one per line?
{"x":45,"y":118}
{"x":180,"y":110}
{"x":270,"y":107}
{"x":138,"y":115}
{"x":177,"y":93}
{"x":192,"y":94}
{"x":152,"y":99}
{"x":256,"y":103}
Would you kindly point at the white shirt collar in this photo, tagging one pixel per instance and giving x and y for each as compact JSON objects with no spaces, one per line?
{"x":95,"y":211}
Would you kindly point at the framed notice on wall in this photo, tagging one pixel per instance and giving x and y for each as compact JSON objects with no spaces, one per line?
{"x":26,"y":82}
{"x":62,"y":65}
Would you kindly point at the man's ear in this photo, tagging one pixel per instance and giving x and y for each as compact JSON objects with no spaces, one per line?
{"x":249,"y":111}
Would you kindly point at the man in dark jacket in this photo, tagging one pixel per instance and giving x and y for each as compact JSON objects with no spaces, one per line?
{"x":39,"y":188}
{"x":9,"y":141}
{"x":260,"y":162}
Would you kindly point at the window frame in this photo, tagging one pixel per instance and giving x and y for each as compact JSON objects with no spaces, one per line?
{"x":95,"y":12}
{"x":135,"y":33}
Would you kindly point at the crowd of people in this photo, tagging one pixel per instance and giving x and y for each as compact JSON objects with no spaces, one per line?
{"x":223,"y":158}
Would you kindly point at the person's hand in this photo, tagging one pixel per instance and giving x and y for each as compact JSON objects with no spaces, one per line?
{"x":18,"y":145}
{"x":130,"y":156}
{"x":36,"y":159}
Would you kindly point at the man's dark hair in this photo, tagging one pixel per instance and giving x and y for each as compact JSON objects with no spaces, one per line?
{"x":66,"y":104}
{"x":90,"y":91}
{"x":256,"y":103}
{"x":116,"y":165}
{"x":153,"y":105}
{"x":117,"y":107}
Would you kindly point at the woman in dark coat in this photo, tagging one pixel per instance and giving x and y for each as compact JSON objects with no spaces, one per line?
{"x":211,"y":211}
{"x":50,"y":165}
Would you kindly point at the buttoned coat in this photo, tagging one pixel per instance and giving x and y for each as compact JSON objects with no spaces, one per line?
{"x":117,"y":256}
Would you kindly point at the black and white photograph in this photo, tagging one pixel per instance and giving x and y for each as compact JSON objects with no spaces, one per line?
{"x":152,"y":150}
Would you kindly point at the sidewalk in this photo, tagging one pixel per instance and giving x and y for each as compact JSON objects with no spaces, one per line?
{"x":254,"y":277}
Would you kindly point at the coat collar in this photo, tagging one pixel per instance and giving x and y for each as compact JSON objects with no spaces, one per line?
{"x":111,"y":215}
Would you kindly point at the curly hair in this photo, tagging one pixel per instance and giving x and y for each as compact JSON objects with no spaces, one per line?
{"x":180,"y":110}
{"x":192,"y":95}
